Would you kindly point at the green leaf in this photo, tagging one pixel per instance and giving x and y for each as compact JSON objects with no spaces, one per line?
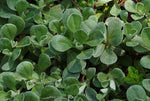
{"x":137,"y":17}
{"x":19,"y":97}
{"x":16,"y":53}
{"x":67,"y":74}
{"x":146,"y":35}
{"x":74,"y":22}
{"x":91,"y":94}
{"x":96,"y":35}
{"x":5,"y":44}
{"x":146,"y":5}
{"x":55,"y":13}
{"x":18,"y":21}
{"x":80,"y":98}
{"x":112,"y":85}
{"x":108,"y":57}
{"x":124,"y":15}
{"x":99,"y":50}
{"x":130,"y":6}
{"x":115,"y":37}
{"x":90,"y":73}
{"x":146,"y":84}
{"x":9,"y":31}
{"x":9,"y":81}
{"x":140,"y":8}
{"x":67,"y":14}
{"x":87,"y":12}
{"x":117,"y":73}
{"x":61,"y":43}
{"x":115,"y":10}
{"x":38,"y":31}
{"x":5,"y":12}
{"x":55,"y":26}
{"x":29,"y":96}
{"x":11,"y":4}
{"x":103,"y":79}
{"x":25,"y":69}
{"x":81,"y":36}
{"x":103,"y":1}
{"x":86,"y":54}
{"x":61,"y":99}
{"x":37,"y":89}
{"x":72,"y":89}
{"x":70,"y":81}
{"x":76,"y":66}
{"x":145,"y":60}
{"x":43,"y":65}
{"x":21,"y":6}
{"x":30,"y":84}
{"x":24,"y":42}
{"x":49,"y":93}
{"x":88,"y":25}
{"x":136,"y":92}
{"x":4,"y":96}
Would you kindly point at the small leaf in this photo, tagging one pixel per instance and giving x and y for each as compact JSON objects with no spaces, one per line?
{"x":16,"y":53}
{"x":29,"y":96}
{"x":136,"y":92}
{"x":91,"y":94}
{"x":80,"y":97}
{"x":146,"y":35}
{"x":117,"y":73}
{"x":88,"y":25}
{"x":11,"y":4}
{"x":130,"y":6}
{"x":145,"y":61}
{"x":76,"y":66}
{"x":38,"y":31}
{"x":5,"y":12}
{"x":146,"y":84}
{"x":124,"y":15}
{"x":49,"y":93}
{"x":55,"y":26}
{"x":43,"y":65}
{"x":87,"y":12}
{"x":9,"y":81}
{"x":55,"y":13}
{"x":24,"y":42}
{"x":21,"y":6}
{"x":115,"y":10}
{"x":25,"y":69}
{"x":67,"y":14}
{"x":90,"y":73}
{"x":72,"y":89}
{"x":86,"y":54}
{"x":108,"y":57}
{"x":99,"y":50}
{"x":67,"y":74}
{"x":74,"y":22}
{"x":115,"y":38}
{"x":81,"y":36}
{"x":9,"y":31}
{"x":96,"y":35}
{"x":18,"y":21}
{"x":61,"y":43}
{"x":29,"y":84}
{"x":5,"y":44}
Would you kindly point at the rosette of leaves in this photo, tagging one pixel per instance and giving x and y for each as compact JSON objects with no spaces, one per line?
{"x":139,"y":9}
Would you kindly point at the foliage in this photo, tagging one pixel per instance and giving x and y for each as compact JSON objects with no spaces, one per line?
{"x":74,"y":50}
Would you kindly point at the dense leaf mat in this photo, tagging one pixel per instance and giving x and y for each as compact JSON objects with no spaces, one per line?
{"x":74,"y":50}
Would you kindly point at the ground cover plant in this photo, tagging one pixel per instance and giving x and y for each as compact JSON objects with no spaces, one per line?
{"x":74,"y":50}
